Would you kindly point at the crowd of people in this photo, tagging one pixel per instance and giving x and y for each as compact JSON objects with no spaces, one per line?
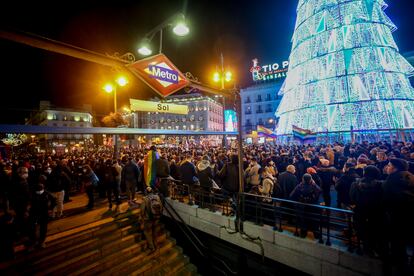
{"x":375,"y":180}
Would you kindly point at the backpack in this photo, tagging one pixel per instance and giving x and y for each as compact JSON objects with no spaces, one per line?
{"x":154,"y":206}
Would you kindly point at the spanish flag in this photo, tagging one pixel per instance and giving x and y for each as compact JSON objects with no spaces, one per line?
{"x":261,"y":130}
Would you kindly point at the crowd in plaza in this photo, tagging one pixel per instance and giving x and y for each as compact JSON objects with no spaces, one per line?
{"x":375,"y":180}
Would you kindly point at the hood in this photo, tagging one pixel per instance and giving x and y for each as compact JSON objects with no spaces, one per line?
{"x":203,"y":164}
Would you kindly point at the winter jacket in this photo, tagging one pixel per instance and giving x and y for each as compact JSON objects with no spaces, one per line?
{"x":205,"y":174}
{"x":306,"y":193}
{"x":188,"y":173}
{"x":366,"y":195}
{"x":162,"y":167}
{"x":252,"y":175}
{"x":287,"y":182}
{"x":41,"y":204}
{"x":399,"y":193}
{"x":130,"y":172}
{"x":343,"y":186}
{"x":230,"y":177}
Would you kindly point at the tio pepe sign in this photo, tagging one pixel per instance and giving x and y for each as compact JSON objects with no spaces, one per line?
{"x":148,"y":106}
{"x":159,"y":73}
{"x":268,"y":71}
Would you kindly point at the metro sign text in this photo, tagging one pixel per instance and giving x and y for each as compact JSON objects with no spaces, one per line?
{"x":163,"y":74}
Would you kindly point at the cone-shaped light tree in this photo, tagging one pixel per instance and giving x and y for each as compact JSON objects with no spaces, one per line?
{"x":345,"y":70}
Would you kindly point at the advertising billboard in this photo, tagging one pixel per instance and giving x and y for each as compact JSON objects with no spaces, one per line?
{"x":272,"y":71}
{"x":230,"y":120}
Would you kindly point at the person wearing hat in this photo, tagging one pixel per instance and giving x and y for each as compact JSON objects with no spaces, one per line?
{"x":343,"y":185}
{"x":399,"y":204}
{"x":366,"y":195}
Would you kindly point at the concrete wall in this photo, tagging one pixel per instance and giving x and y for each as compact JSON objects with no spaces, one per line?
{"x":303,"y":254}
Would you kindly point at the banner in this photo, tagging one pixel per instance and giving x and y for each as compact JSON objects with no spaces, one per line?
{"x":303,"y":135}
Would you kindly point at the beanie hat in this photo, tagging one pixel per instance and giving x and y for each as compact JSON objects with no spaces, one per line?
{"x":372,"y":172}
{"x":311,"y":170}
{"x":399,"y":164}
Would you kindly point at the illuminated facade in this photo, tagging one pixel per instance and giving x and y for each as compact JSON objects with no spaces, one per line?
{"x":345,"y":70}
{"x":205,"y":114}
{"x":51,"y":116}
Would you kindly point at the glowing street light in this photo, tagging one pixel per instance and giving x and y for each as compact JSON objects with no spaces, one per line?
{"x":122,"y":81}
{"x":216,"y":77}
{"x":108,"y":88}
{"x":180,"y":29}
{"x":228,"y":76}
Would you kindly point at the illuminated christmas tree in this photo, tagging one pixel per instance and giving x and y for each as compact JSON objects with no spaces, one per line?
{"x":345,"y":70}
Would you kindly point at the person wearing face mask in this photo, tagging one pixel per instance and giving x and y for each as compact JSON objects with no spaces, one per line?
{"x":21,"y":198}
{"x":42,"y":201}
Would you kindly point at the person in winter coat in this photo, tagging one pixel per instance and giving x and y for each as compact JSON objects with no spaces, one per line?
{"x":188,"y":172}
{"x":163,"y":172}
{"x":343,"y":185}
{"x":266,"y":187}
{"x":56,"y":183}
{"x":399,"y":203}
{"x":229,"y":175}
{"x":90,"y":182}
{"x":42,"y":201}
{"x":306,"y":192}
{"x":326,"y":173}
{"x":252,"y":174}
{"x":366,"y":195}
{"x":130,"y":176}
{"x":109,"y":174}
{"x":20,"y":198}
{"x":205,"y":173}
{"x":287,"y":181}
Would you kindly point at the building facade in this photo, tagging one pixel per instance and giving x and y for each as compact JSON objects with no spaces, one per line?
{"x":205,"y":114}
{"x":259,"y":103}
{"x":49,"y":115}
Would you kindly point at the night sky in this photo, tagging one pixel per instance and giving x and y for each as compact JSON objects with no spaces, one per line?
{"x":241,"y":30}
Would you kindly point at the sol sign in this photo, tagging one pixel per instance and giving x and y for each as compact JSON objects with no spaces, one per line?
{"x":148,"y":106}
{"x":159,"y":73}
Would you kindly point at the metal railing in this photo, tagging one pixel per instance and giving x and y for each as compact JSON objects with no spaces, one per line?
{"x":177,"y":189}
{"x":325,"y":223}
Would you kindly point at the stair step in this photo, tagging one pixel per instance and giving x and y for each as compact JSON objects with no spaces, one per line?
{"x":158,"y":264}
{"x":105,"y":245}
{"x":82,"y":243}
{"x":107,"y":264}
{"x":172,"y":266}
{"x":187,"y":270}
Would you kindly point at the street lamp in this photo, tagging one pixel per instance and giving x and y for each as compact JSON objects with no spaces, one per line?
{"x":222,"y":75}
{"x":112,"y":87}
{"x":180,"y":29}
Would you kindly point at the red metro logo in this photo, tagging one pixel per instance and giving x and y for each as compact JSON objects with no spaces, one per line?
{"x":159,"y":73}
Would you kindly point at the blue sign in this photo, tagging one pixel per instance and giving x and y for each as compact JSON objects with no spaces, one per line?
{"x":163,"y":74}
{"x":230,"y":120}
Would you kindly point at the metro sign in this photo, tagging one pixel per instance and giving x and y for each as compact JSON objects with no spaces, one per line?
{"x":159,"y":73}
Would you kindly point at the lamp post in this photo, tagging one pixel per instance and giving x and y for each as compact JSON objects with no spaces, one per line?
{"x":112,"y":88}
{"x":223,"y":76}
{"x":180,"y":29}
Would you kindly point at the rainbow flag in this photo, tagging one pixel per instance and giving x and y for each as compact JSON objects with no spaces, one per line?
{"x":303,"y":134}
{"x":149,"y":168}
{"x":261,"y":130}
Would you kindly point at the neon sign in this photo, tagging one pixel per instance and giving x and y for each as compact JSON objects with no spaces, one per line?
{"x":268,"y":71}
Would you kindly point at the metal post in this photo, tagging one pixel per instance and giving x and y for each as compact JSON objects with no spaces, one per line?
{"x":116,"y":151}
{"x":160,"y":40}
{"x":240,"y":155}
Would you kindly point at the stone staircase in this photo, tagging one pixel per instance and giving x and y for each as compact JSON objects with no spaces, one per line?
{"x":106,"y":246}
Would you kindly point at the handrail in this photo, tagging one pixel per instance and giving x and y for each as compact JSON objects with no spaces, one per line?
{"x":195,"y":241}
{"x":301,"y":203}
